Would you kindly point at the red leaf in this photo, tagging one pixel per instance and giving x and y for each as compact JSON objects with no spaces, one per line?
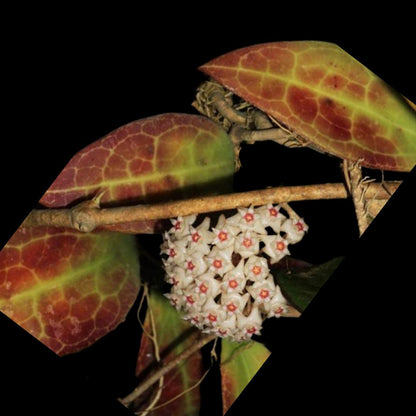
{"x":153,"y":159}
{"x":68,"y":289}
{"x":324,"y":95}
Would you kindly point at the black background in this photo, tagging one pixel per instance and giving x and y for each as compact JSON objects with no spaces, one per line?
{"x":73,"y":76}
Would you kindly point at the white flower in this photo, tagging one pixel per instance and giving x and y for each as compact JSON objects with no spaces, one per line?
{"x":195,"y":264}
{"x":246,"y":244}
{"x":200,"y":237}
{"x":295,"y":229}
{"x":256,"y":268}
{"x":277,"y":305}
{"x":227,"y":328}
{"x":262,"y":291}
{"x":208,"y":290}
{"x":175,"y":250}
{"x":224,"y":233}
{"x":271,"y":216}
{"x":213,"y":313}
{"x":247,"y":219}
{"x":249,"y":325}
{"x":196,"y":319}
{"x":174,"y":299}
{"x":219,"y":261}
{"x":207,"y":285}
{"x":233,"y":302}
{"x":275,"y":246}
{"x":181,"y":225}
{"x":192,"y":301}
{"x":234,"y":280}
{"x":178,"y":278}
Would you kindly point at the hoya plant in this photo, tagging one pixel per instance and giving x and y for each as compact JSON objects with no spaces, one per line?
{"x":148,"y":220}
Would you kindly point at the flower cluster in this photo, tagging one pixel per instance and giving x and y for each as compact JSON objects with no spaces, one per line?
{"x":220,"y":275}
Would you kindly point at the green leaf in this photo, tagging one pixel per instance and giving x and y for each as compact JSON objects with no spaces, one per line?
{"x":239,"y":363}
{"x":167,"y":156}
{"x":173,"y":336}
{"x":325,"y":96}
{"x":301,"y":286}
{"x":66,"y":288}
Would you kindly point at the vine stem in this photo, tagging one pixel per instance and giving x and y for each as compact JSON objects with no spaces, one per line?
{"x":153,"y":378}
{"x":88,"y":215}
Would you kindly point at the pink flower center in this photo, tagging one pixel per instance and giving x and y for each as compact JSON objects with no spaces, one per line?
{"x":222,"y":236}
{"x":222,"y":332}
{"x":247,"y":242}
{"x":256,"y":270}
{"x":273,"y":212}
{"x":280,"y":245}
{"x":174,"y":281}
{"x":195,"y":319}
{"x":248,"y":216}
{"x":299,"y":226}
{"x":173,"y":301}
{"x":211,"y":317}
{"x":264,"y":293}
{"x":203,"y":288}
{"x":251,"y":330}
{"x":231,"y":307}
{"x":233,"y":283}
{"x":278,"y":311}
{"x":190,"y":265}
{"x":217,"y":264}
{"x":190,"y":299}
{"x":195,"y":237}
{"x":172,"y":252}
{"x":177,"y":225}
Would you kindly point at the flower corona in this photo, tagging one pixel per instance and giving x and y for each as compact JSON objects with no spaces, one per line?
{"x":220,"y":277}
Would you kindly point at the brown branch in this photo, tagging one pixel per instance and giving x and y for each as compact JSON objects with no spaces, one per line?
{"x":88,"y":215}
{"x":148,"y":382}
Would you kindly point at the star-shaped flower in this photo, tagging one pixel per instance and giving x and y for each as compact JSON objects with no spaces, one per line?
{"x":249,"y":325}
{"x":224,"y":233}
{"x":178,"y":278}
{"x":234,"y":280}
{"x":256,"y":268}
{"x":227,"y":328}
{"x":295,"y":229}
{"x":180,"y":225}
{"x":271,"y":216}
{"x":206,"y":285}
{"x":219,"y":261}
{"x":262,"y":291}
{"x":275,"y":246}
{"x":200,"y":237}
{"x":213,"y":313}
{"x":234,"y":302}
{"x":195,"y":264}
{"x":247,"y":244}
{"x":247,"y":219}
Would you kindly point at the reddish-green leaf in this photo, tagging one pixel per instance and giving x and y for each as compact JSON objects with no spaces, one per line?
{"x":173,"y":336}
{"x":239,"y":364}
{"x":323,"y":94}
{"x":68,"y":289}
{"x":153,"y":159}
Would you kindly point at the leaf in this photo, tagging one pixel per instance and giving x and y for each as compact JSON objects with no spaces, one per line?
{"x":239,"y":364}
{"x":66,"y":288}
{"x":153,"y":159}
{"x":301,"y":286}
{"x":173,"y":335}
{"x":324,"y":95}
